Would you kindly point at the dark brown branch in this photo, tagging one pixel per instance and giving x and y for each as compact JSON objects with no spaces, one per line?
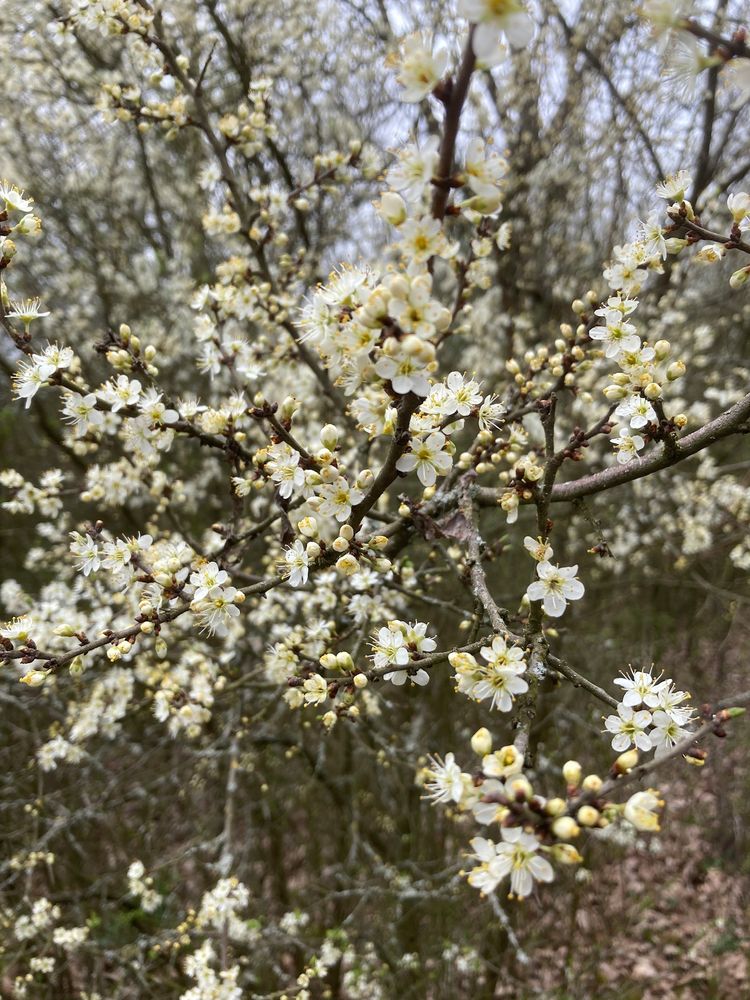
{"x":450,"y":130}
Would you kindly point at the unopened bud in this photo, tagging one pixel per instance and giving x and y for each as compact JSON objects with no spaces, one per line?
{"x":566,"y":828}
{"x":329,"y":436}
{"x":676,"y":370}
{"x":287,"y":408}
{"x":392,"y":208}
{"x":76,"y":667}
{"x":554,"y":807}
{"x":614,"y":393}
{"x":481,"y":742}
{"x":67,"y":631}
{"x":565,"y":854}
{"x":626,"y":761}
{"x":740,"y":278}
{"x":572,"y":772}
{"x":34,"y":678}
{"x":588,"y":816}
{"x":519,"y":786}
{"x":592,"y":783}
{"x":308,"y":527}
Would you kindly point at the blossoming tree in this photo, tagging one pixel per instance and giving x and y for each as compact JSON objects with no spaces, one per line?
{"x":328,"y":359}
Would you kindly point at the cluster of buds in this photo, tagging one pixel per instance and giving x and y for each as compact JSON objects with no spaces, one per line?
{"x":125,"y":353}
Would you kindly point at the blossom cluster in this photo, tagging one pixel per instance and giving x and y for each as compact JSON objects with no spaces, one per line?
{"x":651,"y":715}
{"x":535,"y":832}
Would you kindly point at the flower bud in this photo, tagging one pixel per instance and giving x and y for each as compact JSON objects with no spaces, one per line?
{"x":481,"y":742}
{"x":554,"y":807}
{"x":308,"y":527}
{"x":392,"y":208}
{"x":676,"y":370}
{"x":9,"y":251}
{"x":313,"y":550}
{"x":287,"y":408}
{"x":614,"y":393}
{"x":652,"y":391}
{"x":340,"y":544}
{"x":572,"y":772}
{"x":592,"y":783}
{"x":344,"y":660}
{"x":76,"y":667}
{"x":34,"y":678}
{"x":739,"y":278}
{"x":519,"y":786}
{"x":483,"y":204}
{"x":67,"y":631}
{"x":626,"y":761}
{"x":565,"y":854}
{"x":587,"y":816}
{"x":674,"y":244}
{"x":565,"y":828}
{"x":329,"y":436}
{"x":360,"y":681}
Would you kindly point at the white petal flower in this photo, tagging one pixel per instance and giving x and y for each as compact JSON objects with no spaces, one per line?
{"x":642,"y":811}
{"x":516,"y":856}
{"x":444,"y":780}
{"x":555,"y":587}
{"x":629,"y":728}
